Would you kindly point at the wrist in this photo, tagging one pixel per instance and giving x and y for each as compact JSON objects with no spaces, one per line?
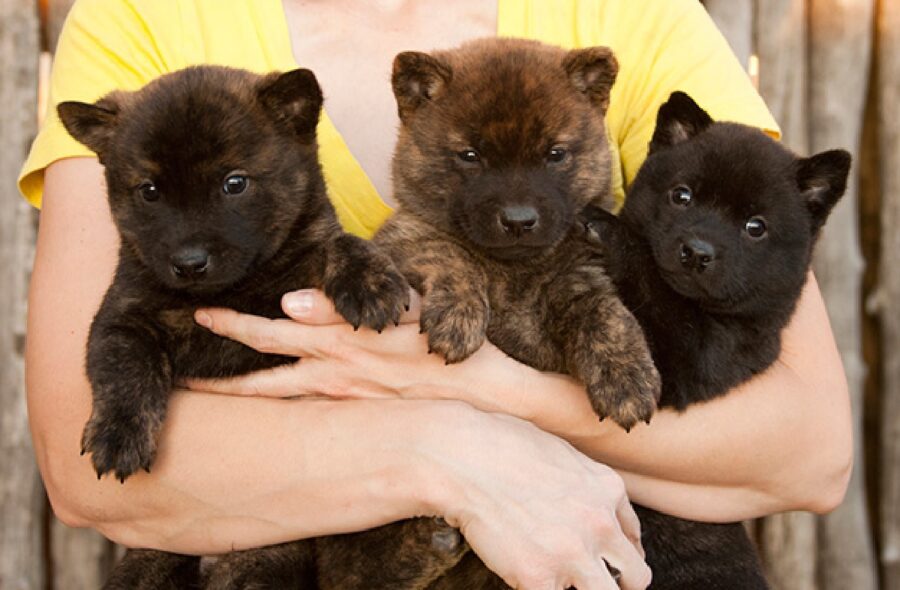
{"x":441,"y":457}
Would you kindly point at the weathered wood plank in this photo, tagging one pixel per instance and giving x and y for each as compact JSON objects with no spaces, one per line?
{"x":888,"y":27}
{"x":840,"y":34}
{"x":735,"y":19}
{"x":21,"y":495}
{"x":82,"y":558}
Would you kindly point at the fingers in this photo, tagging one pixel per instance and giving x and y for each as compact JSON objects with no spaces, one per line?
{"x":276,"y":382}
{"x":625,"y":558}
{"x":306,"y":378}
{"x":267,"y":336}
{"x":631,"y":525}
{"x":594,"y":577}
{"x":311,"y":306}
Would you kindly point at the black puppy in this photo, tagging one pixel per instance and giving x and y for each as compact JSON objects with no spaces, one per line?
{"x":215,"y":187}
{"x":710,"y":253}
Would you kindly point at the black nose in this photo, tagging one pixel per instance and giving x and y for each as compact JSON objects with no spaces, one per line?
{"x":697,"y":254}
{"x":190,"y":262}
{"x":517,"y":220}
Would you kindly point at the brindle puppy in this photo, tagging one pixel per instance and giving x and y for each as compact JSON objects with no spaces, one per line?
{"x":502,"y":143}
{"x":722,"y":221}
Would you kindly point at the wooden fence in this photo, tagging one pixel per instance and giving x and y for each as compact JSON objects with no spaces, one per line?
{"x":829,"y":71}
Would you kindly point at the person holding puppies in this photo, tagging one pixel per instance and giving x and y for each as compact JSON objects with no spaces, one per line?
{"x":516,"y":458}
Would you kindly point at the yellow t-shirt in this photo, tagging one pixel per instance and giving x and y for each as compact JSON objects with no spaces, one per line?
{"x":661,"y":45}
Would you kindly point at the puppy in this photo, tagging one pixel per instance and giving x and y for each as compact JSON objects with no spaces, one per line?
{"x":502,"y":142}
{"x":721,"y":221}
{"x":215,"y":188}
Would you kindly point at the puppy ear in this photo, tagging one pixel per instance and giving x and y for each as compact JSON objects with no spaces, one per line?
{"x":293,"y":99}
{"x":91,"y":124}
{"x":417,"y":78}
{"x":678,"y":119}
{"x":592,"y":71}
{"x":822,"y":179}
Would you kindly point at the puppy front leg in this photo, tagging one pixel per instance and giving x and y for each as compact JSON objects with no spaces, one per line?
{"x":605,"y":349}
{"x":365,"y":286}
{"x":455,"y":303}
{"x":131,"y":376}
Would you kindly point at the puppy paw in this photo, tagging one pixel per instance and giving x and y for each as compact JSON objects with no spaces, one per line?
{"x":627,"y":392}
{"x":456,"y":326}
{"x":119,"y":444}
{"x":373,"y":298}
{"x":365,"y":286}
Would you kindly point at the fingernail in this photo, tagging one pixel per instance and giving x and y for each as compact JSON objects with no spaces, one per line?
{"x":299,"y":303}
{"x":203,"y":318}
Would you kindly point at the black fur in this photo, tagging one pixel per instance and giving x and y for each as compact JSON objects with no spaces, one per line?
{"x":215,"y":187}
{"x":712,"y":298}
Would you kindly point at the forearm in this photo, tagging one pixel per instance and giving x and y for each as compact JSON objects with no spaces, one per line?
{"x":236,"y":472}
{"x":778,"y":442}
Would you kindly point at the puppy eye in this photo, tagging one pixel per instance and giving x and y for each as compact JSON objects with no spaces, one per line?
{"x":469,"y":156}
{"x":557,"y":154}
{"x":148,"y":191}
{"x":235,"y":184}
{"x":756,"y":227}
{"x":681,"y":195}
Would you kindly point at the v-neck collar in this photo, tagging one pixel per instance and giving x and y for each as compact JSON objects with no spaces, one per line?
{"x":348,"y":182}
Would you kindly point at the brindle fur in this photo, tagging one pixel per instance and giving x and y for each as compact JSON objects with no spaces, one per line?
{"x":714,"y":326}
{"x":540,"y":294}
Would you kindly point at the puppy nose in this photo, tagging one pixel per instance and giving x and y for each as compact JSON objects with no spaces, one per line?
{"x":697,"y":254}
{"x":190,"y":262}
{"x":517,"y":220}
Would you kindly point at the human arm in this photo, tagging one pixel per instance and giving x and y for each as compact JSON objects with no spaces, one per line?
{"x":234,"y":472}
{"x":778,"y":442}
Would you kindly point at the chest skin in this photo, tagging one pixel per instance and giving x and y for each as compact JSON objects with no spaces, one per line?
{"x":379,"y":31}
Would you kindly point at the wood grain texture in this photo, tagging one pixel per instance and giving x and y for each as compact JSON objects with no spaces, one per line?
{"x":735,"y":19}
{"x":888,"y":292}
{"x":840,"y":34}
{"x":22,"y":503}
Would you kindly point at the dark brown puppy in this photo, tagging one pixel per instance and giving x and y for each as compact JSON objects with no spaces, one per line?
{"x":502,"y":143}
{"x":215,"y":187}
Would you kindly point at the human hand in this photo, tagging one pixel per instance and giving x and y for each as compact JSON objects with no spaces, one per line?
{"x":341,"y":363}
{"x":338,"y":361}
{"x":538,"y":513}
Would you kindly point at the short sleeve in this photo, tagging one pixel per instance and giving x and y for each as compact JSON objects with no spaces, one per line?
{"x":669,"y":45}
{"x":104,"y":45}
